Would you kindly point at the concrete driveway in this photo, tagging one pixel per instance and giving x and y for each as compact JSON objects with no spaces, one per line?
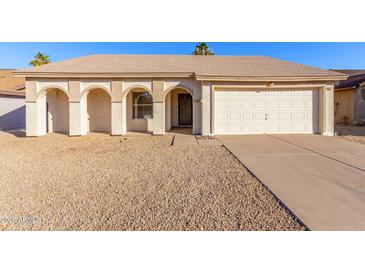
{"x":320,"y":179}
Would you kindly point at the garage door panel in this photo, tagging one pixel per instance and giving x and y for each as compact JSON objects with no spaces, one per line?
{"x":272,"y":94}
{"x":259,"y":116}
{"x":260,"y":104}
{"x":221,"y":105}
{"x":287,"y":128}
{"x":274,"y":128}
{"x":247,"y":104}
{"x":248,"y":116}
{"x":235,"y":116}
{"x":274,"y":116}
{"x":254,"y":112}
{"x":299,"y":116}
{"x":298,"y":128}
{"x":273,"y":104}
{"x":221,"y":127}
{"x":259,"y":94}
{"x":259,"y":128}
{"x":235,"y":128}
{"x":285,"y":94}
{"x":286,"y":116}
{"x":298,"y":104}
{"x":235,"y":104}
{"x":248,"y":128}
{"x":222,"y":116}
{"x":285,"y":104}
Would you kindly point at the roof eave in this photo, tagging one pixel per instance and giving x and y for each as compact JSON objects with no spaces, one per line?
{"x":178,"y":75}
{"x":101,"y":75}
{"x":271,"y":78}
{"x":12,"y":93}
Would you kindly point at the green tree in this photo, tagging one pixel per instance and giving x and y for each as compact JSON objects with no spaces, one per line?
{"x":202,"y":49}
{"x":40,"y":59}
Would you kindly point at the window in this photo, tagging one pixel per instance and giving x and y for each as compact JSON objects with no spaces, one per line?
{"x":142,"y":105}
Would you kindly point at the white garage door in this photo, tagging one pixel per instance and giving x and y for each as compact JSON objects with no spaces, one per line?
{"x":266,"y":111}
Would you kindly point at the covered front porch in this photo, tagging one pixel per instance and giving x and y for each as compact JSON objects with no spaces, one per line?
{"x":138,"y":108}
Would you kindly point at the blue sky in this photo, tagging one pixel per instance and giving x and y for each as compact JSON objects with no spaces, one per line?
{"x":323,"y":55}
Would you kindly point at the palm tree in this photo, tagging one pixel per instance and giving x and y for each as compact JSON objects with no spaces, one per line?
{"x":40,"y":59}
{"x":203,"y":49}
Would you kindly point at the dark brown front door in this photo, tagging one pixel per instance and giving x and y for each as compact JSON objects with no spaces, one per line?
{"x":185,"y":109}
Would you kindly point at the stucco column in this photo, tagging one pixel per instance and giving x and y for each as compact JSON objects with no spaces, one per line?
{"x":33,"y":119}
{"x":75,"y":118}
{"x":158,"y":118}
{"x":35,"y":111}
{"x":196,"y":116}
{"x":197,"y":109}
{"x":205,"y":107}
{"x":118,"y":108}
{"x":168,"y":112}
{"x":75,"y":109}
{"x":158,"y":107}
{"x":117,"y":114}
{"x":327,"y":110}
{"x":84,"y":116}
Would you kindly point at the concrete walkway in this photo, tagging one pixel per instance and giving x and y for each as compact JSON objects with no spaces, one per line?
{"x":320,"y":179}
{"x":184,"y":140}
{"x":183,"y":137}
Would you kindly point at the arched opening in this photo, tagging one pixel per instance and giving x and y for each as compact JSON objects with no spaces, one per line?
{"x":179,"y":110}
{"x":57,"y":110}
{"x":98,"y":111}
{"x":139,"y":110}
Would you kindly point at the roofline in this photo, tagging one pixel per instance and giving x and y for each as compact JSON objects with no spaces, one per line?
{"x":345,"y":88}
{"x":11,"y":93}
{"x":273,"y":78}
{"x":179,"y":75}
{"x":101,"y":74}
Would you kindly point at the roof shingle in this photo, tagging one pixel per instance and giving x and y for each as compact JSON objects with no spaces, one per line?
{"x":357,"y":77}
{"x":10,"y":85}
{"x":223,"y":66}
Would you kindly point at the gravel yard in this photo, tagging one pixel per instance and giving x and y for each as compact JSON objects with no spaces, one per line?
{"x":351,"y":133}
{"x":99,"y":182}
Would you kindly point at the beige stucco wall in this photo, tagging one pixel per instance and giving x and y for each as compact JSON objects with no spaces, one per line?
{"x":359,"y":106}
{"x":206,"y":109}
{"x":118,"y":119}
{"x":134,"y":124}
{"x":174,"y":108}
{"x":58,"y":111}
{"x":168,"y":112}
{"x":328,"y":109}
{"x":99,"y":111}
{"x":344,"y":105}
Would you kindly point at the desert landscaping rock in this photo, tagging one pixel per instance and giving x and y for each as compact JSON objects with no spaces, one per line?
{"x":99,"y":182}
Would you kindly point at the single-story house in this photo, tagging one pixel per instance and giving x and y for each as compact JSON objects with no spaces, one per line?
{"x":12,"y":100}
{"x":350,"y":98}
{"x":154,"y":93}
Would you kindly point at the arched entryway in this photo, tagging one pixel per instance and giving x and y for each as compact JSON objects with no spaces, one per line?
{"x":179,"y":110}
{"x":139,"y":104}
{"x":57,"y":110}
{"x":98,"y":111}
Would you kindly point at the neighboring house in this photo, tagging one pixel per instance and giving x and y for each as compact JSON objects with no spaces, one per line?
{"x":210,"y":94}
{"x":350,"y":98}
{"x":12,"y":100}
